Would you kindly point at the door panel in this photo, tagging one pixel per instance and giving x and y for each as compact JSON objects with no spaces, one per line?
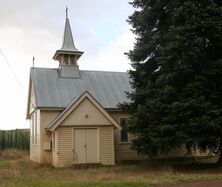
{"x":85,"y":146}
{"x":79,"y":148}
{"x":91,"y":146}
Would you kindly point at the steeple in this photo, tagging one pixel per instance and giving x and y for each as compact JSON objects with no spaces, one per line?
{"x":68,"y":54}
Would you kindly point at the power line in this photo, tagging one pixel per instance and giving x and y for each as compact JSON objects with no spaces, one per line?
{"x":13,"y":72}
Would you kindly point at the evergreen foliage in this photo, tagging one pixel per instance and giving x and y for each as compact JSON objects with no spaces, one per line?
{"x":17,"y":139}
{"x":177,"y":76}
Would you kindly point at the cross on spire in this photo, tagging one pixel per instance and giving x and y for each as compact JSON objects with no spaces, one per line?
{"x":66,"y":12}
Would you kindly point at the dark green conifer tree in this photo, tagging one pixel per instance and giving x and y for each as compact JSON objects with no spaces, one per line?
{"x":177,"y":76}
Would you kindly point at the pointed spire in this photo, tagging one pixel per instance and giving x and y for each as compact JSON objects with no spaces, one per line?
{"x":68,"y":54}
{"x":68,"y":43}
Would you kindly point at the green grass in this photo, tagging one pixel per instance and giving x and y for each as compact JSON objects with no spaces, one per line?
{"x":167,"y":178}
{"x":4,"y":164}
{"x":24,"y":173}
{"x":48,"y":183}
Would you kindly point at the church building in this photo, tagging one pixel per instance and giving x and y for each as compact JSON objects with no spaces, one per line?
{"x":73,"y":113}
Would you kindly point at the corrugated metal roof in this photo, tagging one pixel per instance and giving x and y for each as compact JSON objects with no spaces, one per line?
{"x":108,"y":88}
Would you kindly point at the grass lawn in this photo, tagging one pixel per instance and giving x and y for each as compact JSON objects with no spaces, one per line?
{"x":24,"y":173}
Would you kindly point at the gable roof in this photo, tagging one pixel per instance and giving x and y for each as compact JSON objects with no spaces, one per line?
{"x":71,"y":107}
{"x":52,"y":91}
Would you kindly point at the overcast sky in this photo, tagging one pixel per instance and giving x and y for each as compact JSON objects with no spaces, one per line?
{"x":35,"y":28}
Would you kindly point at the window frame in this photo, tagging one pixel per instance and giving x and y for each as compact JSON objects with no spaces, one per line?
{"x":34,"y":128}
{"x":121,"y":131}
{"x":53,"y":141}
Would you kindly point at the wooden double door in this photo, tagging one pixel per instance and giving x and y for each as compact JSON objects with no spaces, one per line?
{"x":85,"y":146}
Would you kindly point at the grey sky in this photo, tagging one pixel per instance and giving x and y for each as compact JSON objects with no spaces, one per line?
{"x":35,"y":28}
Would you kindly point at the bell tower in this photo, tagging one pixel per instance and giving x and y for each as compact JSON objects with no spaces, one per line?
{"x":68,"y":55}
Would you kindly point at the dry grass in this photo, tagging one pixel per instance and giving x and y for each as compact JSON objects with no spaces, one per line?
{"x":23,"y":173}
{"x":13,"y":154}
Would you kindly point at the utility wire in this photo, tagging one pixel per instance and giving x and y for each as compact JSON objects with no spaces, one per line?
{"x":13,"y":72}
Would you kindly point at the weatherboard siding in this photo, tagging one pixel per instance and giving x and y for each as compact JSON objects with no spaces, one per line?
{"x":55,"y":151}
{"x":77,"y":119}
{"x":106,"y":145}
{"x":62,"y":155}
{"x":65,"y":155}
{"x":34,"y":148}
{"x":123,"y":151}
{"x":45,"y":118}
{"x":110,"y":148}
{"x":35,"y":154}
{"x":86,"y":114}
{"x":65,"y":146}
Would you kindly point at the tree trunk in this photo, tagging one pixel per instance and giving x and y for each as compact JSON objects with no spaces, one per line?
{"x":219,"y":161}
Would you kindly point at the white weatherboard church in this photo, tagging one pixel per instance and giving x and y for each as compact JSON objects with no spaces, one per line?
{"x":73,"y":113}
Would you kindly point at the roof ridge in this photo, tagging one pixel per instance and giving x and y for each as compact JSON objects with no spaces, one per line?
{"x":43,"y":68}
{"x":105,"y":71}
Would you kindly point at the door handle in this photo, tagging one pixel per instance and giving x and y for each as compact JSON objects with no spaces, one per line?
{"x":85,"y":145}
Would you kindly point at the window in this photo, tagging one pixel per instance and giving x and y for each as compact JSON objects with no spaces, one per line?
{"x":35,"y":121}
{"x":123,"y":133}
{"x":53,"y":140}
{"x":34,"y":128}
